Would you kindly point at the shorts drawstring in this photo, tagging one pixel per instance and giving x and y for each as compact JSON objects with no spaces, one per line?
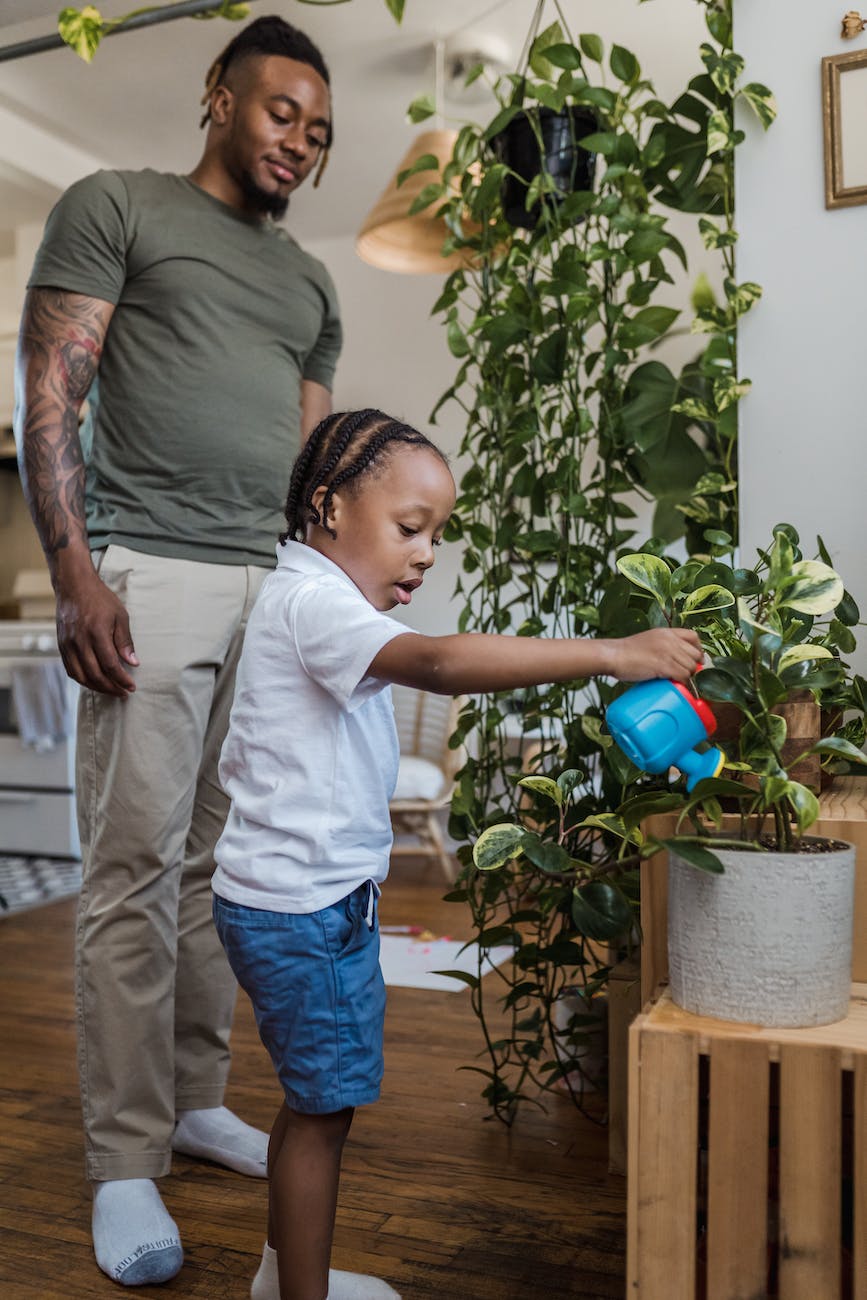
{"x":372,"y":895}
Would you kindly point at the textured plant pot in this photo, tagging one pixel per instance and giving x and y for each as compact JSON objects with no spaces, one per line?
{"x":768,"y":942}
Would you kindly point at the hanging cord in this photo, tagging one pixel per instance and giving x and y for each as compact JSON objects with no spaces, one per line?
{"x":439,"y":81}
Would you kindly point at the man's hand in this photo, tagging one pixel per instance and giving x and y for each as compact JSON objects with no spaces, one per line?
{"x":94,"y":637}
{"x":674,"y":652}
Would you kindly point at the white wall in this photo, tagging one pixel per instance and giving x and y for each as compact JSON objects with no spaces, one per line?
{"x":802,"y":427}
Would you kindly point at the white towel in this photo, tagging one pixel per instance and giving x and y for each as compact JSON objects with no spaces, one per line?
{"x":40,"y":699}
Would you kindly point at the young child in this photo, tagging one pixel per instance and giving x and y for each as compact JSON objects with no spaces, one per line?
{"x":310,"y":762}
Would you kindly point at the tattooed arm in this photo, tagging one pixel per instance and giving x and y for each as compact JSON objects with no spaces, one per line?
{"x":59,"y":347}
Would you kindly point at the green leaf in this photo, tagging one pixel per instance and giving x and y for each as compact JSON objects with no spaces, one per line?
{"x":761,"y":101}
{"x":421,"y":108}
{"x":601,"y":911}
{"x":805,"y":804}
{"x":741,"y":297}
{"x":644,"y":245}
{"x":720,"y":685}
{"x":841,"y":747}
{"x":707,"y":598}
{"x":648,"y":572}
{"x":471,"y":980}
{"x":426,"y":162}
{"x":695,"y":855}
{"x":647,"y":804}
{"x":847,"y":611}
{"x":604,"y":142}
{"x":815,"y":588}
{"x":498,"y":845}
{"x":82,"y":30}
{"x":395,"y":8}
{"x":646,"y":325}
{"x":624,"y":64}
{"x":427,"y":195}
{"x":553,"y":35}
{"x":591,"y":46}
{"x":796,"y":654}
{"x":752,"y":629}
{"x":569,"y":779}
{"x":612,"y":823}
{"x":563,"y":56}
{"x":547,"y":856}
{"x":545,"y":786}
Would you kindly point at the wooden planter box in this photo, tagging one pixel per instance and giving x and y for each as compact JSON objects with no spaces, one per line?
{"x":747,"y":1158}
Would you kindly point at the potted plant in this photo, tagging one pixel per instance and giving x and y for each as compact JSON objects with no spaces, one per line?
{"x":760,"y":913}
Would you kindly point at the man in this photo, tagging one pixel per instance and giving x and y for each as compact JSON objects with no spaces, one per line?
{"x":205,"y":342}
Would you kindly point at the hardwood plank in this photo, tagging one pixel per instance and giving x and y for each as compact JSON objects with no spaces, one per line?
{"x":665,"y":1174}
{"x":434,"y":1197}
{"x":810,"y":1159}
{"x":859,"y":1181}
{"x":738,"y":1171}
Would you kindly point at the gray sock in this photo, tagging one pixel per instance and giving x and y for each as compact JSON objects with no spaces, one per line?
{"x":135,"y":1239}
{"x":341,"y":1286}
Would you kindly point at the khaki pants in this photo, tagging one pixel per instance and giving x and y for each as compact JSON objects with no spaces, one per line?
{"x":154,"y":993}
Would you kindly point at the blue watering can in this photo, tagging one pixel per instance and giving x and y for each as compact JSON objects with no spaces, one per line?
{"x":658,"y":723}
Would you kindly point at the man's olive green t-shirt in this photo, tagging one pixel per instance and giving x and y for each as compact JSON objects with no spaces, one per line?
{"x":194,"y":416}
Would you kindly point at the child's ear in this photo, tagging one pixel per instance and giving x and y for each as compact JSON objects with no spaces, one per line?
{"x":317,"y":500}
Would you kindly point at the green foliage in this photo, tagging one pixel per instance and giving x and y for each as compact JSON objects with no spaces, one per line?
{"x":83,"y":29}
{"x":770,"y":633}
{"x":567,"y":415}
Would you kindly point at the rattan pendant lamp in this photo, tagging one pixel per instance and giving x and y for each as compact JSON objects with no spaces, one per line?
{"x":395,"y":240}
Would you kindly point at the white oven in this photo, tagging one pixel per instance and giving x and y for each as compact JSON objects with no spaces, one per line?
{"x":37,"y":783}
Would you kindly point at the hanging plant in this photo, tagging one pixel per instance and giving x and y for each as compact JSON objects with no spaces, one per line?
{"x":83,"y":29}
{"x":564,"y":422}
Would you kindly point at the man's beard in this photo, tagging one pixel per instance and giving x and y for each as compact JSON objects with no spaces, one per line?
{"x":269,"y":205}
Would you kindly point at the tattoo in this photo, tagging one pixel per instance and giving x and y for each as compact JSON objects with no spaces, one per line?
{"x":60,"y":345}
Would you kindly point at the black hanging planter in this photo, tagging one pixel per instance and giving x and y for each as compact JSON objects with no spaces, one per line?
{"x":570,"y":166}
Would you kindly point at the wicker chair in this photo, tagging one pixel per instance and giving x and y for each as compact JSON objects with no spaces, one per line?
{"x":426,"y":776}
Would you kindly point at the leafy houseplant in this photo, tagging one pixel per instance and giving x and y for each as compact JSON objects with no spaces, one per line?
{"x":564,"y":423}
{"x":771,"y":632}
{"x":760,"y":917}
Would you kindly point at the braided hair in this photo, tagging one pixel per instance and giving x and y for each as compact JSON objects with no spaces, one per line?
{"x":268,"y":35}
{"x":343,"y":447}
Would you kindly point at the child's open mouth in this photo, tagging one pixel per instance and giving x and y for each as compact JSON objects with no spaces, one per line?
{"x":404,"y":591}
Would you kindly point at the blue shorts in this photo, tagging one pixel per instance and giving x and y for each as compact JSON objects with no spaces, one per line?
{"x":317,"y":993}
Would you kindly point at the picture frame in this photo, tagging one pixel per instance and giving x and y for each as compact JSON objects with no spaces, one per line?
{"x":844,"y":105}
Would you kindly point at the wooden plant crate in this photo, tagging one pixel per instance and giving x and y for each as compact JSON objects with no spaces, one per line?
{"x":747,"y":1158}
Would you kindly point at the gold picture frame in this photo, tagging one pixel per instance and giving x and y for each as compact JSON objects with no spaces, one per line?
{"x":844,"y":103}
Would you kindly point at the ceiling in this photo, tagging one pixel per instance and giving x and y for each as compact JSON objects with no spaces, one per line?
{"x":137,"y":103}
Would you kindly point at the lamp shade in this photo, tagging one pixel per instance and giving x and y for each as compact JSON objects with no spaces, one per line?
{"x":395,"y":241}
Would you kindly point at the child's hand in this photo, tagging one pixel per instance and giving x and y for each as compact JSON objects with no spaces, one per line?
{"x":662,"y":652}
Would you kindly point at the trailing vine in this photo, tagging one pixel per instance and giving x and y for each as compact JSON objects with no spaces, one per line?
{"x":565,"y":420}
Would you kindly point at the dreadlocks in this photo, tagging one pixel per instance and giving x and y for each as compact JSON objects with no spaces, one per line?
{"x":268,"y":35}
{"x":342,"y":447}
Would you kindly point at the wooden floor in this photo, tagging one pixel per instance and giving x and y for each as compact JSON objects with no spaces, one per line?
{"x":433,"y":1198}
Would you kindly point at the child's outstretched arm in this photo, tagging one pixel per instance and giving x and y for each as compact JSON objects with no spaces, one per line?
{"x":473,"y":662}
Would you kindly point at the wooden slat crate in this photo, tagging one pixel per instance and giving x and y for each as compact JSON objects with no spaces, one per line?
{"x":747,"y":1158}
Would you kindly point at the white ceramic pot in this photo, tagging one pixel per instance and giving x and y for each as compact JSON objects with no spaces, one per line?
{"x":768,"y":942}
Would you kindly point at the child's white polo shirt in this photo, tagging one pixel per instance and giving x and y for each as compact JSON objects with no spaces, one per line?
{"x":311,"y":756}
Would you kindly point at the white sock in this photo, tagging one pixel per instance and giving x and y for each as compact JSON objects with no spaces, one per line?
{"x":135,"y":1239}
{"x":216,"y":1134}
{"x":341,"y":1286}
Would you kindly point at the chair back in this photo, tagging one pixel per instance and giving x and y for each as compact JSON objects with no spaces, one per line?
{"x":424,"y":723}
